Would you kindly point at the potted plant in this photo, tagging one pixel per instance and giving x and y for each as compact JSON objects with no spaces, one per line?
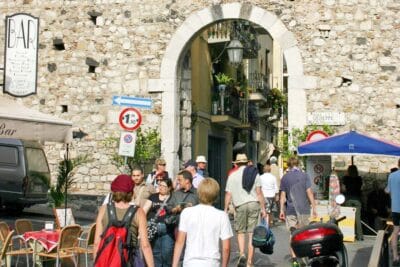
{"x":277,"y":101}
{"x":57,"y":192}
{"x":223,"y":79}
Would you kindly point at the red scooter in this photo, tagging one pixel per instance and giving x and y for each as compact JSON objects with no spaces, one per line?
{"x":321,"y":243}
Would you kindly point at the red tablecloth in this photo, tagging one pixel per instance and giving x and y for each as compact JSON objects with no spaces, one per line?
{"x":48,"y":239}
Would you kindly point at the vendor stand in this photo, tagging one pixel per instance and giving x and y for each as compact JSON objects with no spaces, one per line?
{"x":351,"y":144}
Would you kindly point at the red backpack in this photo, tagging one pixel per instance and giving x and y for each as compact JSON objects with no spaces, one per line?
{"x":114,"y":248}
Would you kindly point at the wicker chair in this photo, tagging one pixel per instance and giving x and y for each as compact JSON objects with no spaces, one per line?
{"x":67,"y":241}
{"x":86,"y":242}
{"x":4,"y":230}
{"x":7,"y":250}
{"x":21,"y":227}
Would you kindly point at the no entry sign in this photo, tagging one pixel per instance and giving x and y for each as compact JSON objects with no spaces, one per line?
{"x":130,"y":119}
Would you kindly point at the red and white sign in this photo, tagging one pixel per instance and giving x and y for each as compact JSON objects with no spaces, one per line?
{"x":130,"y":119}
{"x":316,"y":135}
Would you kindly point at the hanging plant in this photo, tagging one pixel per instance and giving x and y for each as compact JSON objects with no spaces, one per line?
{"x":277,"y":101}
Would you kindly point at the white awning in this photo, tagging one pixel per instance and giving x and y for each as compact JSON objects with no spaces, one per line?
{"x":18,"y":121}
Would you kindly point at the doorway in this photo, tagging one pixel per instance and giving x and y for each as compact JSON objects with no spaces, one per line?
{"x":216,"y":165}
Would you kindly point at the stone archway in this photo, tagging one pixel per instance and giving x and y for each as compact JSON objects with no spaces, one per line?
{"x":193,"y":24}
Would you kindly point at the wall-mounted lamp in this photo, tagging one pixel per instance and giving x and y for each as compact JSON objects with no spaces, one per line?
{"x":235,"y":52}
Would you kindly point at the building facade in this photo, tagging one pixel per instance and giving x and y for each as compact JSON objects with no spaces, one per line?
{"x":335,"y":58}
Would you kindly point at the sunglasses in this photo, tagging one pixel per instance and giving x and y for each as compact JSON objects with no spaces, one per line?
{"x":162,"y":164}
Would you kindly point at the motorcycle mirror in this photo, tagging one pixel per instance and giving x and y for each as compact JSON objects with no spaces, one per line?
{"x":339,"y":199}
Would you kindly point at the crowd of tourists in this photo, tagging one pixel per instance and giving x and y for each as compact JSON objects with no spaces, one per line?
{"x":175,"y":222}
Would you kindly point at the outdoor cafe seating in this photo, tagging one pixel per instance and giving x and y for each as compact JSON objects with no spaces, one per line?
{"x":8,"y":251}
{"x":86,"y":243}
{"x":62,"y":247}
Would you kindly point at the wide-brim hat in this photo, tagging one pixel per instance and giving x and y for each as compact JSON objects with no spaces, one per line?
{"x":201,"y":159}
{"x":241,"y":158}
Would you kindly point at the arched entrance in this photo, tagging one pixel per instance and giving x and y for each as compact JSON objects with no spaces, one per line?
{"x":169,"y":79}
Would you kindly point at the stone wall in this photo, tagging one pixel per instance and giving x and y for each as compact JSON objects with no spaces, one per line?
{"x":349,"y":49}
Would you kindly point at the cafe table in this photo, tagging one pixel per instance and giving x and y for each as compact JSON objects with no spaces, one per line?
{"x":42,"y":240}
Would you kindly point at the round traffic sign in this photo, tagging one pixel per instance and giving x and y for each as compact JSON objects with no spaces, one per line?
{"x":316,"y":135}
{"x":130,"y":119}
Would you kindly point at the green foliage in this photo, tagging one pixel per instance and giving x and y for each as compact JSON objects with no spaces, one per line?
{"x":298,"y":136}
{"x":147,"y":148}
{"x":277,"y":101}
{"x":64,"y":179}
{"x":222,"y":78}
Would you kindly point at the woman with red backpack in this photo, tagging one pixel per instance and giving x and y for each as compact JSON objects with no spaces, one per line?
{"x":120,"y":224}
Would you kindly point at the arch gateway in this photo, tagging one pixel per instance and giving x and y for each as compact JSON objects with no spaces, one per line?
{"x":169,"y":78}
{"x":342,"y":57}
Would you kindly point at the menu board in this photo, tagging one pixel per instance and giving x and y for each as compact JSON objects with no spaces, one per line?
{"x":21,"y":54}
{"x":64,"y":217}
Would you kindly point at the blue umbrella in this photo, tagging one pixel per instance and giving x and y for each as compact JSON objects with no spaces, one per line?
{"x":349,"y":143}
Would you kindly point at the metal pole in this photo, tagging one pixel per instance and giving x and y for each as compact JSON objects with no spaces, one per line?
{"x":126,"y":167}
{"x":66,"y":184}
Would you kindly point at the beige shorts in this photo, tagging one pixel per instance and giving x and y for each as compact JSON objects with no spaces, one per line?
{"x":246,"y":218}
{"x":297,"y":221}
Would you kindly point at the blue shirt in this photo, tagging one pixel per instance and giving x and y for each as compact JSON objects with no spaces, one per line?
{"x":393,"y":188}
{"x":295,"y":184}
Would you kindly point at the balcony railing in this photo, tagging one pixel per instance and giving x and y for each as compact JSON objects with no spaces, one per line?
{"x":259,"y":82}
{"x":237,"y":106}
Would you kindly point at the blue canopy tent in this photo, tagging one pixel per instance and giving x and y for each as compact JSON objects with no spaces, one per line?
{"x":349,"y":143}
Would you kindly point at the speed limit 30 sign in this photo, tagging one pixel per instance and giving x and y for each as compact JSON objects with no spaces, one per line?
{"x":130,"y":119}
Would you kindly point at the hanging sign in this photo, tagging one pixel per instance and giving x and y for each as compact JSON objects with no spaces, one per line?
{"x":21,"y":54}
{"x":127,"y":144}
{"x":130,"y":119}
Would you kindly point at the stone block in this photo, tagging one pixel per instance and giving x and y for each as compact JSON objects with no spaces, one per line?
{"x":287,"y":40}
{"x":231,"y":10}
{"x":256,"y":14}
{"x":295,"y":65}
{"x":277,"y":30}
{"x":205,"y":16}
{"x":268,"y":19}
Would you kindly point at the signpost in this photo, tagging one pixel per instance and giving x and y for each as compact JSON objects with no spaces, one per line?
{"x":129,"y":101}
{"x":130,"y":119}
{"x":127,"y":144}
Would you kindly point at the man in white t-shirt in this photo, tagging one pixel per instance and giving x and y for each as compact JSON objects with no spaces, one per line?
{"x":270,"y":190}
{"x":202,"y":227}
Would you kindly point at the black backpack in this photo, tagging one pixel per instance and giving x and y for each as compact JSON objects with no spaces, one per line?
{"x":263,"y":238}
